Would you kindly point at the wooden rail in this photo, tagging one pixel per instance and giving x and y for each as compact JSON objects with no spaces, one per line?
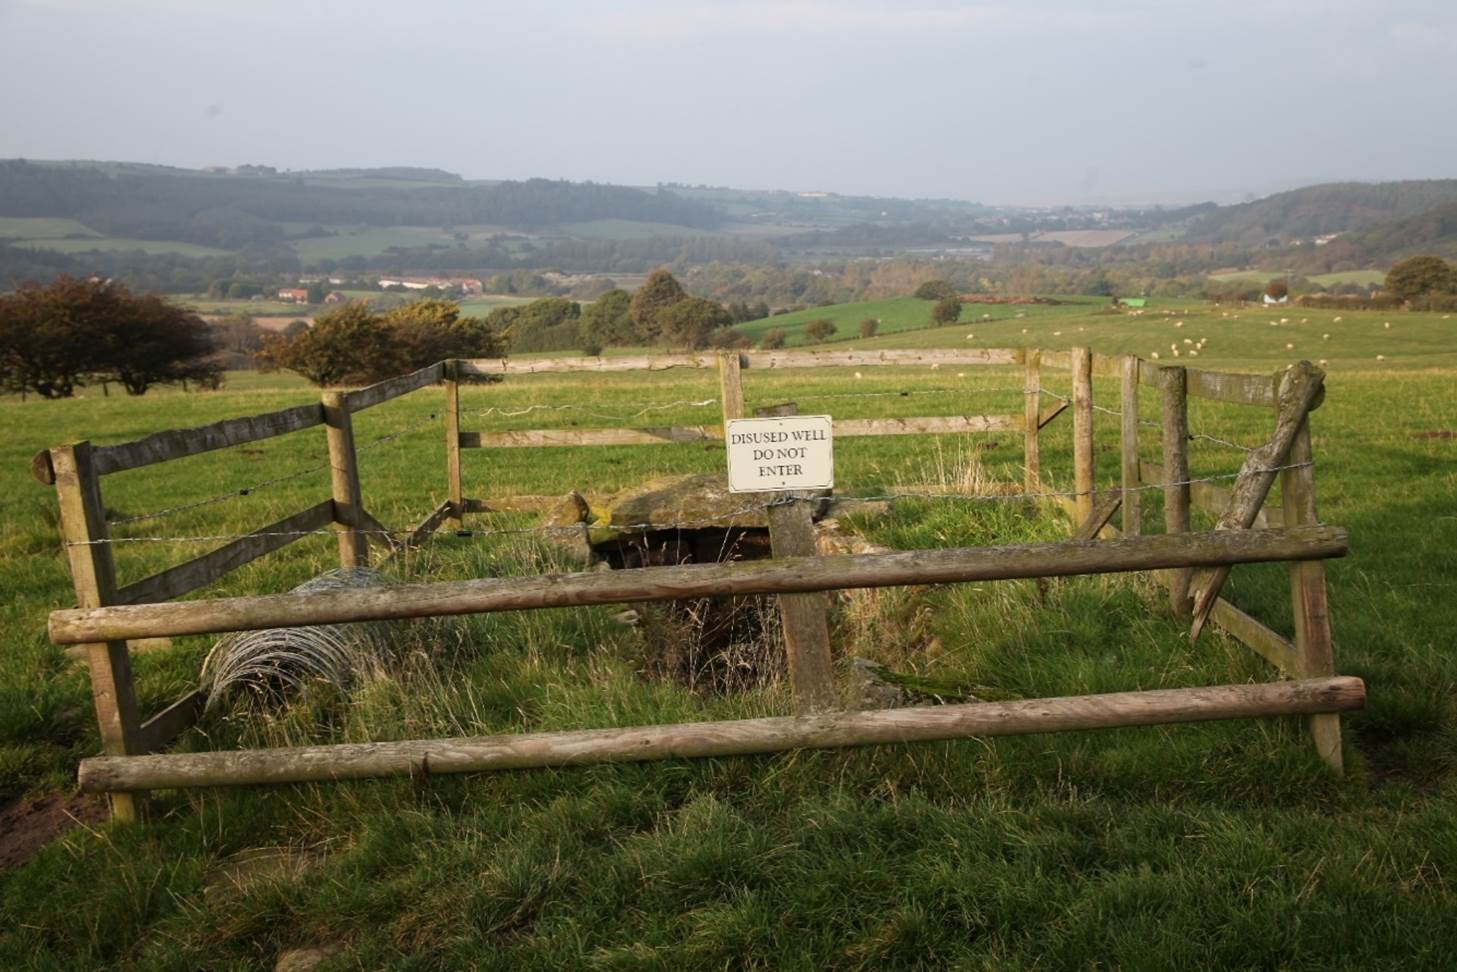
{"x":383,"y":391}
{"x":475,"y":367}
{"x":656,"y":435}
{"x":202,"y":571}
{"x":792,"y":575}
{"x":740,"y":737}
{"x":177,"y":443}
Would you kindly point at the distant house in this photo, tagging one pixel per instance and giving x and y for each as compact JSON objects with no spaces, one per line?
{"x":336,"y":297}
{"x":1283,"y":299}
{"x":294,"y":295}
{"x":466,"y":285}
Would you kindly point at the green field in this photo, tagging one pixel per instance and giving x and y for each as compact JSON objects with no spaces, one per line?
{"x":369,"y":241}
{"x":1365,"y":278}
{"x":42,"y":227}
{"x":1210,"y":845}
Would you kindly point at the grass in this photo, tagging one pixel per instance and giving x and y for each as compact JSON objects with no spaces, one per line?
{"x":1222,"y":844}
{"x":42,"y":227}
{"x":369,"y":241}
{"x":896,"y":315}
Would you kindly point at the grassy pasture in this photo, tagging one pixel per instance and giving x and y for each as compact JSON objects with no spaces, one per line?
{"x":1218,"y":844}
{"x":627,"y":229}
{"x":42,"y":227}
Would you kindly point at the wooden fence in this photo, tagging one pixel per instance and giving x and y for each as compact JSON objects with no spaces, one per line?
{"x":1193,"y":565}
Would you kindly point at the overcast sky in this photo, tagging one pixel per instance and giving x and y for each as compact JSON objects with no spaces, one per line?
{"x":1018,"y":102}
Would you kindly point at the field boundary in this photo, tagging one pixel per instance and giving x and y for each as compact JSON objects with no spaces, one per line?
{"x":1193,"y":566}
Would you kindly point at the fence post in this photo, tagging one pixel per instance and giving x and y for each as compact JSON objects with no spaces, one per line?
{"x":93,"y":575}
{"x":1308,"y":594}
{"x":1082,"y":368}
{"x":1128,"y":409}
{"x":730,"y":387}
{"x":805,"y":616}
{"x":1174,"y":391}
{"x":1031,"y":412}
{"x":344,"y":477}
{"x":452,"y":444}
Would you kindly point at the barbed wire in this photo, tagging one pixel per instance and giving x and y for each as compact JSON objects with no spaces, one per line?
{"x":715,"y":520}
{"x":1192,"y":435}
{"x":264,"y":484}
{"x":588,"y":410}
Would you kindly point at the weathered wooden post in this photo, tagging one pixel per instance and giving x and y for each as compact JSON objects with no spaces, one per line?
{"x":93,"y":575}
{"x":730,"y":386}
{"x":1082,"y":368}
{"x":452,"y":444}
{"x":1031,"y":420}
{"x":344,"y":479}
{"x":1128,"y":452}
{"x":1174,"y":394}
{"x":805,"y":617}
{"x":1308,"y":594}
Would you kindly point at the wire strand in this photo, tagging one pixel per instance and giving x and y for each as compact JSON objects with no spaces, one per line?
{"x":692,"y":524}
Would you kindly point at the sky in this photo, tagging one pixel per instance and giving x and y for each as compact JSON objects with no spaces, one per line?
{"x":1018,"y":102}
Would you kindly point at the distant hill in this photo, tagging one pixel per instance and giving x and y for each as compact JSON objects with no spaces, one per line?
{"x":1301,"y":214}
{"x":254,"y":207}
{"x":1433,"y":231}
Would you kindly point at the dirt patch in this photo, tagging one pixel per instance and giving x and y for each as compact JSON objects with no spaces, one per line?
{"x":28,"y":825}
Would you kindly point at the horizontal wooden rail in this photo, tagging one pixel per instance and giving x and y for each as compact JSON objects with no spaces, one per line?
{"x":740,"y":737}
{"x":1221,"y":386}
{"x":201,"y":571}
{"x":177,"y":443}
{"x":383,"y":391}
{"x":787,"y":576}
{"x":749,"y":359}
{"x":844,"y":429}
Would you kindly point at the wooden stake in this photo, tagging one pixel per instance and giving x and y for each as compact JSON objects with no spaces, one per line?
{"x":1298,"y":389}
{"x":1031,"y":422}
{"x":805,"y":616}
{"x":452,"y":445}
{"x":93,"y":574}
{"x":1173,"y":389}
{"x":741,"y":737}
{"x":730,"y":387}
{"x":1082,"y":361}
{"x":1308,"y":596}
{"x":344,"y":476}
{"x":1128,"y":429}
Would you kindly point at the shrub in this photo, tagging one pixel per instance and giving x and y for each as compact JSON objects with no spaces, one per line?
{"x":819,"y":330}
{"x":947,"y":310}
{"x":869,"y":326}
{"x":772,"y":340}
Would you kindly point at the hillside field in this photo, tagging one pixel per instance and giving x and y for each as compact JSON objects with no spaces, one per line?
{"x":1217,"y":844}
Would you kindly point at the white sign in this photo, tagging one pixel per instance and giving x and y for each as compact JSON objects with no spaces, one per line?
{"x":789,"y":453}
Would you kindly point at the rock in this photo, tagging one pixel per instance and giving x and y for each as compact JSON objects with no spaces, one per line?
{"x":693,"y":502}
{"x":564,"y":527}
{"x":305,"y":959}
